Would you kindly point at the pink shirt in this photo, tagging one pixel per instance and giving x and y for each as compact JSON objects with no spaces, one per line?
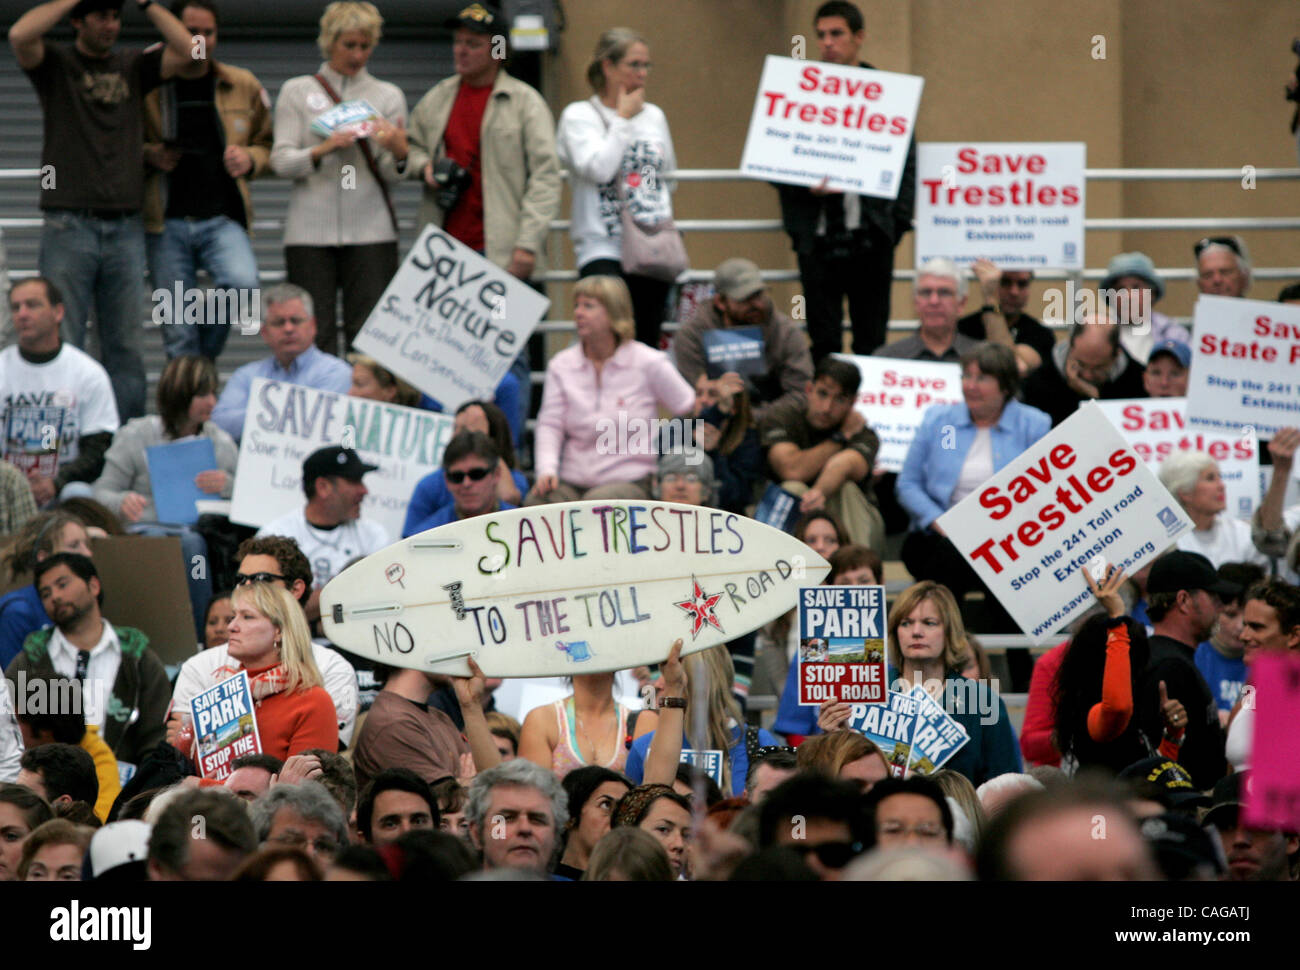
{"x":598,"y":431}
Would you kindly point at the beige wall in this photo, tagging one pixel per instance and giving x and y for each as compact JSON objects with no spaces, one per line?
{"x":1014,"y":70}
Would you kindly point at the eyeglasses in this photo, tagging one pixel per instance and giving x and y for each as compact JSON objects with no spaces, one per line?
{"x":243,"y":579}
{"x":944,"y":293}
{"x":926,"y":830}
{"x":833,"y":855}
{"x":1230,"y":241}
{"x":672,"y":478}
{"x":294,"y":840}
{"x":473,"y":474}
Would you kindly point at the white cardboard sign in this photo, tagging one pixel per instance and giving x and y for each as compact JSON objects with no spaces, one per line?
{"x":1157,"y":427}
{"x":893,"y":397}
{"x":285,"y":423}
{"x":450,"y":321}
{"x":813,"y":120}
{"x":1245,"y":366}
{"x":1020,"y":204}
{"x":1078,"y":494}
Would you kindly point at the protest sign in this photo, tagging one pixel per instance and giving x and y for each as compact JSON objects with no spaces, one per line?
{"x":890,"y":726}
{"x":172,"y":470}
{"x":735,"y":349}
{"x":1020,"y":204}
{"x":1157,"y":428}
{"x":842,"y":644}
{"x":937,"y":735}
{"x":144,"y":583}
{"x":1273,"y":801}
{"x":708,"y":761}
{"x":778,"y":508}
{"x":357,"y":117}
{"x":1244,"y":366}
{"x":814,"y":120}
{"x":225,"y":726}
{"x":32,"y":436}
{"x":285,"y":423}
{"x":893,"y":397}
{"x":450,"y":321}
{"x":1080,"y":493}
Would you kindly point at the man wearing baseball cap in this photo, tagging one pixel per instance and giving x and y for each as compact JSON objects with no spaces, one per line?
{"x":777,"y":366}
{"x":1167,"y":367}
{"x":1253,"y":854}
{"x":329,"y":528}
{"x":1184,"y":596}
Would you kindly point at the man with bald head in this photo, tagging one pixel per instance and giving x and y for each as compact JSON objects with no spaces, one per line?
{"x":1222,"y":266}
{"x":1090,"y":365}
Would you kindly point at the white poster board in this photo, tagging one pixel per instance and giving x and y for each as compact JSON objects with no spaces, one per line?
{"x":1079,"y":493}
{"x":893,"y":397}
{"x":1020,"y":204}
{"x":1245,"y":366}
{"x":450,"y":321}
{"x":1157,"y":428}
{"x":285,"y":423}
{"x":813,"y":120}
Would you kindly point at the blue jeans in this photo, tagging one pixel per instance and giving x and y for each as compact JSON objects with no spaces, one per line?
{"x":100,"y":262}
{"x":221,"y":246}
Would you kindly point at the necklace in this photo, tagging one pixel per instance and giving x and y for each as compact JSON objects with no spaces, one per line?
{"x":595,"y":749}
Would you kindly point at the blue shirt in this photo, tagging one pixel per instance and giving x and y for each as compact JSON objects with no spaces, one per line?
{"x":312,"y":368}
{"x":447,"y":514}
{"x":506,"y":398}
{"x":930,"y":471}
{"x":1224,"y":675}
{"x":737,"y":755}
{"x":21,"y":613}
{"x":432,"y":493}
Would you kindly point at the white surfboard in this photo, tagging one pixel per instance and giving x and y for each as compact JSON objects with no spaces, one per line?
{"x":556,"y":590}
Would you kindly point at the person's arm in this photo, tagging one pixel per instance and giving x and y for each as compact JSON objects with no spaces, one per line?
{"x":910,"y":488}
{"x":1110,"y":717}
{"x":181,"y":48}
{"x":592,"y":152}
{"x":470,"y":692}
{"x":666,"y":746}
{"x":533,"y":742}
{"x":420,"y":144}
{"x":796,"y":369}
{"x":26,"y":36}
{"x":390,"y":146}
{"x":11,"y":739}
{"x":996,"y":329}
{"x":262,"y":133}
{"x":688,"y":352}
{"x":1268,"y":530}
{"x":1036,"y":744}
{"x":541,"y":200}
{"x":847,"y":466}
{"x":233,"y":403}
{"x":548,"y":434}
{"x":420,"y":507}
{"x":155,"y":697}
{"x":506,"y":397}
{"x":121,"y":470}
{"x":89,"y":462}
{"x":294,"y":152}
{"x":670,"y":389}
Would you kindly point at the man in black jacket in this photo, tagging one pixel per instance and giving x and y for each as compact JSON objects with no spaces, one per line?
{"x":1184,"y":596}
{"x":845,"y":243}
{"x":1090,"y":365}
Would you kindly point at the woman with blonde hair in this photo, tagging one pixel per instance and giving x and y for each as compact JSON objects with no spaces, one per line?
{"x":628,"y":854}
{"x":618,"y":150}
{"x":374,"y":382}
{"x":928,"y":646}
{"x":269,"y":639}
{"x":844,"y":755}
{"x":596,"y":388}
{"x":720,"y":726}
{"x":341,"y":230}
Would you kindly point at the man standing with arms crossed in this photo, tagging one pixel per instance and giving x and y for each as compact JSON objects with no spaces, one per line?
{"x":92,"y":179}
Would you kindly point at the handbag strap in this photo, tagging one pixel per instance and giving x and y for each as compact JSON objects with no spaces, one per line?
{"x":364,"y":145}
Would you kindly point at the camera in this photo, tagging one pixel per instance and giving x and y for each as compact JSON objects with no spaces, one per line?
{"x":450,"y":182}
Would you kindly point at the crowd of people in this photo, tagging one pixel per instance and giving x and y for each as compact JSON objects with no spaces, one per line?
{"x":374,"y":773}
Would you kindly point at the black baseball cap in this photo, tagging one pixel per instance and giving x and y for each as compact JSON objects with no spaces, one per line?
{"x":1226,"y":801}
{"x":481,"y":18}
{"x":84,"y":7}
{"x":1170,"y":778}
{"x":334,"y":462}
{"x":1190,"y":571}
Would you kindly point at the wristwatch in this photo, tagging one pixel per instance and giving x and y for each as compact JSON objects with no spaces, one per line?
{"x":839,"y":438}
{"x":673,"y":702}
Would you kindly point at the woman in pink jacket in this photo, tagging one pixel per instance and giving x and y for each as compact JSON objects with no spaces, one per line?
{"x":597,"y":430}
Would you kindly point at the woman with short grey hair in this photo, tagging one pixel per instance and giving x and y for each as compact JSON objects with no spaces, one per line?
{"x":1194,"y":479}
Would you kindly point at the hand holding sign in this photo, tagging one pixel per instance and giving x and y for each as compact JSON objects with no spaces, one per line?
{"x":470,"y":690}
{"x":833,"y":715}
{"x":673,"y":673}
{"x":1283,"y":447}
{"x":1108,"y":593}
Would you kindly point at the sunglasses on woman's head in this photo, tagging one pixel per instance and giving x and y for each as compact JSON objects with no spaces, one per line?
{"x":243,"y":579}
{"x":474,"y":475}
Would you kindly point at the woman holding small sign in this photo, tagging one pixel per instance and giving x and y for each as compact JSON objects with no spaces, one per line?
{"x":956,"y":449}
{"x":598,"y":428}
{"x":618,"y":149}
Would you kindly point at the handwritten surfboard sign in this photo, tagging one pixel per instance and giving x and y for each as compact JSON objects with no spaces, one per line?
{"x":580,"y":587}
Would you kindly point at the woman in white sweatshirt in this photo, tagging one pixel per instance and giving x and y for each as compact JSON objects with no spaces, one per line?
{"x":616,"y":137}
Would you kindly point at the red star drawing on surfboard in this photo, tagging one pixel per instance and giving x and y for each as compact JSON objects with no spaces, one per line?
{"x":701,"y":607}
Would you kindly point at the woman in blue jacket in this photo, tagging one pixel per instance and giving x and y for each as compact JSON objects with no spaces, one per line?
{"x":957,"y":448}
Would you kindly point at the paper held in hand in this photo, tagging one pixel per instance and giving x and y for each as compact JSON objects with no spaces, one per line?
{"x":816,"y":121}
{"x":1080,"y":493}
{"x":450,"y":321}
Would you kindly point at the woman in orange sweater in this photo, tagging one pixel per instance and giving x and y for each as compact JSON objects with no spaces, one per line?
{"x":1096,"y":686}
{"x":270,"y":640}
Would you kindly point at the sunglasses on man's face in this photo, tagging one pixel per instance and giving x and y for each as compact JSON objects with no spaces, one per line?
{"x":243,"y":579}
{"x":1229,"y":241}
{"x":473,"y":474}
{"x":833,"y":855}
